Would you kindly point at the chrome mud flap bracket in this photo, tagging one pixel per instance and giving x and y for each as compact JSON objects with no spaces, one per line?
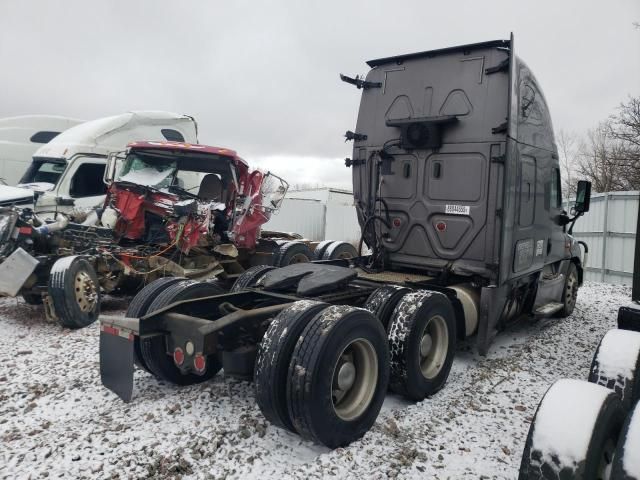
{"x":117,"y":354}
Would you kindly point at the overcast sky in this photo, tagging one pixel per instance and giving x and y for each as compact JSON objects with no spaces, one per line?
{"x":262,"y":77}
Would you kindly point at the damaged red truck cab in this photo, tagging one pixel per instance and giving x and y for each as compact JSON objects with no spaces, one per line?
{"x":224,"y":179}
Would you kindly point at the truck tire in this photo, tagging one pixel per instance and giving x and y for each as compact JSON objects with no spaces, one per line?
{"x":250,"y":277}
{"x":32,"y":298}
{"x":626,"y":464}
{"x":274,"y":356}
{"x":139,"y":306}
{"x":338,"y":376}
{"x":292,"y":252}
{"x":570,"y":292}
{"x":382,"y":302}
{"x":569,"y":442}
{"x":318,"y":253}
{"x":74,"y":291}
{"x":153,"y":349}
{"x":275,"y":254}
{"x":422,"y":340}
{"x":339,"y":250}
{"x":616,"y":365}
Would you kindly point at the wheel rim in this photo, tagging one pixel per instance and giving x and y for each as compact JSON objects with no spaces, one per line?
{"x":355,"y":378}
{"x":433,"y":347}
{"x":606,"y":461}
{"x":344,"y":255}
{"x":571,"y":291}
{"x":85,"y":291}
{"x":299,"y":258}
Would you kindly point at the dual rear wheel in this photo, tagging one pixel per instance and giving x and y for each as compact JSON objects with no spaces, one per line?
{"x":323,"y":371}
{"x":291,"y":252}
{"x":152,"y":352}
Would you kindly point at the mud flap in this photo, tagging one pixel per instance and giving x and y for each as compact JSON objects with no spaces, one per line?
{"x":116,"y":360}
{"x":492,"y":301}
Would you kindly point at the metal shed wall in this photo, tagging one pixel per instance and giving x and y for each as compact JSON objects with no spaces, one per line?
{"x":609,"y":228}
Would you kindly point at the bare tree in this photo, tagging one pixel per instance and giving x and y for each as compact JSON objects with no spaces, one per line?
{"x":568,"y":150}
{"x":610,"y":156}
{"x":594,"y":160}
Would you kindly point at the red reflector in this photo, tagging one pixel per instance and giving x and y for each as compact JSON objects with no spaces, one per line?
{"x":25,"y":230}
{"x":110,"y":330}
{"x":199,"y":362}
{"x":396,"y":222}
{"x":178,"y":356}
{"x":441,"y":226}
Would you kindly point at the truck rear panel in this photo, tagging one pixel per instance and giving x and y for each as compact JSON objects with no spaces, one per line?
{"x":443,"y":197}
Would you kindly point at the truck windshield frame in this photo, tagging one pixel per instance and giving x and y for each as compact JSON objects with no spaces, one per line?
{"x":44,"y":170}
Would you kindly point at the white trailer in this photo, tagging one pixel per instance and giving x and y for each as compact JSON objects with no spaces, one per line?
{"x":21,"y":136}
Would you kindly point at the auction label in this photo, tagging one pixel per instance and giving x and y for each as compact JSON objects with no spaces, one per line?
{"x":457,"y":209}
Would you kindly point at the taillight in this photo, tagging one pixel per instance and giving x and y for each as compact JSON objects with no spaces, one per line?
{"x":178,"y":356}
{"x":199,"y":363}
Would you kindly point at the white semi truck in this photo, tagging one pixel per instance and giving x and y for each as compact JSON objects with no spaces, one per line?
{"x":67,"y":173}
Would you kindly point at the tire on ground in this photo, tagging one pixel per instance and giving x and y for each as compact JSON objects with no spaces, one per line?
{"x":569,"y":442}
{"x":139,"y":306}
{"x":626,"y":463}
{"x":569,"y":292}
{"x":250,"y":277}
{"x":382,"y":302}
{"x":274,"y":356}
{"x":616,"y":365}
{"x":153,"y":349}
{"x":74,"y":291}
{"x":292,"y":252}
{"x":338,"y":376}
{"x":339,"y":250}
{"x":422,"y":339}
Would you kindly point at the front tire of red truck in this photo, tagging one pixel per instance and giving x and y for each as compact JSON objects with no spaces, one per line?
{"x":75,"y":292}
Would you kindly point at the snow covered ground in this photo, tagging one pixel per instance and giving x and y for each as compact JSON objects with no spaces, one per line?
{"x":56,"y":420}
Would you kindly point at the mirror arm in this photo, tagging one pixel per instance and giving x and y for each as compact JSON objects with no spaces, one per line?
{"x":573,"y":222}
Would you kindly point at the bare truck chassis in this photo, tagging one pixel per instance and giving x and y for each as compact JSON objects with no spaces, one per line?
{"x":239,"y":330}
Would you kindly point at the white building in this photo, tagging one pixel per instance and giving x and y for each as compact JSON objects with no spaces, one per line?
{"x":318,"y":214}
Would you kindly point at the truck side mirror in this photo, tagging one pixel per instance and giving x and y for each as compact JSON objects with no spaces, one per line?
{"x":110,"y":169}
{"x":583,"y":197}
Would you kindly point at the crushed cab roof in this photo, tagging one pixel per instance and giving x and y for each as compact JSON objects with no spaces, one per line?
{"x":193,"y":147}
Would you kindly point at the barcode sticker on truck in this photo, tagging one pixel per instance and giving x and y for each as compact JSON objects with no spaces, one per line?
{"x":457,"y":209}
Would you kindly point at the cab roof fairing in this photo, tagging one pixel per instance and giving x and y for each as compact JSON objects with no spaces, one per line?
{"x":103,"y":135}
{"x":398,"y":59}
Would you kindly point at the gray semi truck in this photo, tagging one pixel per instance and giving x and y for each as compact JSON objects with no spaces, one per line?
{"x":457,"y":189}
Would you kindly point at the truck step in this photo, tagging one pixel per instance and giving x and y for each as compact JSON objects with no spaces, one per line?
{"x":547,"y":309}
